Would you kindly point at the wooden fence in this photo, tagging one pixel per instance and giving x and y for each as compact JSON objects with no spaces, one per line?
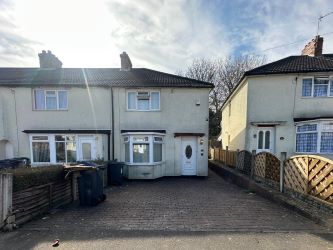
{"x":34,"y":201}
{"x":310,"y":174}
{"x":228,"y":157}
{"x":267,"y":166}
{"x":244,"y":161}
{"x":21,"y":206}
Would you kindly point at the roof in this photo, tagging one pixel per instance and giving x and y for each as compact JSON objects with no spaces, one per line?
{"x":103,"y":77}
{"x":291,"y":64}
{"x":295,"y":64}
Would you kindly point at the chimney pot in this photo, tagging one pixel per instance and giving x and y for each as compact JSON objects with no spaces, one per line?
{"x":314,"y":48}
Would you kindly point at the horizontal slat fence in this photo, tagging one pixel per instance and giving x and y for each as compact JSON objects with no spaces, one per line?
{"x":36,"y":200}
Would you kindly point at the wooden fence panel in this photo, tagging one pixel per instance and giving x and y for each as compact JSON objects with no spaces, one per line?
{"x":243,"y":161}
{"x":272,"y":171}
{"x":310,"y":174}
{"x":296,"y":174}
{"x":34,"y":201}
{"x":267,"y":165}
{"x":259,"y":165}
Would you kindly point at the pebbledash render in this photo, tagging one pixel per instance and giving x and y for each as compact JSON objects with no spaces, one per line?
{"x":283,"y":106}
{"x":157,"y":123}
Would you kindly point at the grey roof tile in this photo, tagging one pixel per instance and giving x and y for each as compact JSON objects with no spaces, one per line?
{"x":137,"y":77}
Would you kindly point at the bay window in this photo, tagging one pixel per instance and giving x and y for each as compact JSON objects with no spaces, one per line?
{"x":46,"y":99}
{"x":143,"y":149}
{"x":317,"y":87}
{"x":314,"y":137}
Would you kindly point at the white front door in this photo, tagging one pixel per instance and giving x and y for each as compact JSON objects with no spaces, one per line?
{"x":87,"y":149}
{"x":265,"y":139}
{"x":189,"y":155}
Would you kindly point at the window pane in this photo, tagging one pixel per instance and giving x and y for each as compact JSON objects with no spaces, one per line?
{"x":131,"y":100}
{"x":140,"y":138}
{"x":70,"y":137}
{"x":307,"y":87}
{"x":40,"y":152}
{"x":60,"y":152}
{"x":320,"y":90}
{"x":40,"y":138}
{"x":127,"y":152}
{"x":331,"y":88}
{"x":62,"y":97}
{"x":307,"y":128}
{"x":326,"y":145}
{"x":155,"y":100}
{"x":267,"y":139}
{"x":158,"y":139}
{"x":320,"y":81}
{"x":86,"y":151}
{"x":71,"y":151}
{"x":51,"y":102}
{"x":260,"y":139}
{"x":39,"y":99}
{"x":140,"y":153}
{"x":60,"y":138}
{"x":143,"y":104}
{"x":306,"y":142}
{"x":157,"y":152}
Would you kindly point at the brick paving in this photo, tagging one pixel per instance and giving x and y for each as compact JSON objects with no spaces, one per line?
{"x":179,"y":204}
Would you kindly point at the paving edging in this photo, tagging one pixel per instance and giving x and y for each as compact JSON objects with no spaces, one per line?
{"x":235,"y":177}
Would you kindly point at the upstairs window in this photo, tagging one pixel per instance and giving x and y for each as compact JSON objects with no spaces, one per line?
{"x":317,"y":87}
{"x":143,"y":100}
{"x":50,"y":99}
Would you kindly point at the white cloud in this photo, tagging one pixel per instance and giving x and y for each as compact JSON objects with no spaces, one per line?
{"x":158,"y":34}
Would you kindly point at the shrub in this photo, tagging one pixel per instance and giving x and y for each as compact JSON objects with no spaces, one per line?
{"x":24,"y":178}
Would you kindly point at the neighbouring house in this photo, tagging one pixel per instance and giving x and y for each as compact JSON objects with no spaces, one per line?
{"x":157,"y":123}
{"x":283,"y":106}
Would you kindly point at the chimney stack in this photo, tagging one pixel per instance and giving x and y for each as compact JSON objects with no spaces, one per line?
{"x":314,"y":48}
{"x":125,"y":62}
{"x":48,"y":60}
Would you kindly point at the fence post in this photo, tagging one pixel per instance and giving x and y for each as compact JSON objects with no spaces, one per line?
{"x":282,"y":160}
{"x":7,"y":220}
{"x":253,"y":156}
{"x":226,"y":156}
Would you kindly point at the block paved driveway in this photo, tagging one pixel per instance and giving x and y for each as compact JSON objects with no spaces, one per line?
{"x":174,"y":204}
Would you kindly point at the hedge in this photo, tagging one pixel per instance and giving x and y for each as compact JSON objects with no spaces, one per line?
{"x":24,"y":178}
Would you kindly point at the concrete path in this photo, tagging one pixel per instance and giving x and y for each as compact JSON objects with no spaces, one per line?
{"x":196,"y":213}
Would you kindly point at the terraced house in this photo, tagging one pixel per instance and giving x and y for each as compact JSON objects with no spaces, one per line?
{"x":155,"y":122}
{"x":284,"y":106}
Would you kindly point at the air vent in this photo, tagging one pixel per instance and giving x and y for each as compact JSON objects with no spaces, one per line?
{"x":143,"y":95}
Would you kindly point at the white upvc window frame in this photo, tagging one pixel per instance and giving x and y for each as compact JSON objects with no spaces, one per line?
{"x":330,"y":85}
{"x":320,"y":123}
{"x":52,"y":146}
{"x":151,"y":109}
{"x":129,"y":138}
{"x":45,"y":90}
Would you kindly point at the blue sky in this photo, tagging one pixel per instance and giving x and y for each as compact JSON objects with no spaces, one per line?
{"x":164,"y":35}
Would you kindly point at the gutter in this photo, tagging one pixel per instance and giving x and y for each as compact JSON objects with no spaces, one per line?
{"x":112,"y":128}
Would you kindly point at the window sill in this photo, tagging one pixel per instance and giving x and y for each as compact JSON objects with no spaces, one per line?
{"x":144,"y":164}
{"x":315,"y":97}
{"x":50,"y":110}
{"x":132,"y":110}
